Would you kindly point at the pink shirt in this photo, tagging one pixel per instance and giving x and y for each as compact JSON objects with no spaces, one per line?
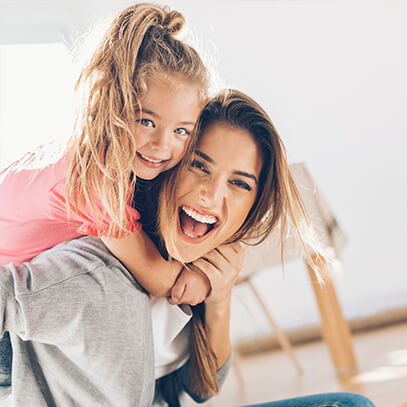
{"x":33,"y":212}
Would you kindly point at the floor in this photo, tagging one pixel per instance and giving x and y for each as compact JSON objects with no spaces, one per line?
{"x":382,"y":362}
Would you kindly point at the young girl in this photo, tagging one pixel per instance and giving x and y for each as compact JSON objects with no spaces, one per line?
{"x":145,"y":89}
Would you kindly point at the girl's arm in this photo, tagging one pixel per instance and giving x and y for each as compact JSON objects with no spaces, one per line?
{"x":141,"y":257}
{"x":222,"y":267}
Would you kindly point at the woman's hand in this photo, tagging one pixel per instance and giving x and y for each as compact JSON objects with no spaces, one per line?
{"x":192,"y":287}
{"x":222,"y":266}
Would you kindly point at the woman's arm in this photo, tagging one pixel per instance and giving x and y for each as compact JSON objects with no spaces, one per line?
{"x":222,"y":267}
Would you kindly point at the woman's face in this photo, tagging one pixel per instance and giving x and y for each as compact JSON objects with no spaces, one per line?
{"x":216,"y":193}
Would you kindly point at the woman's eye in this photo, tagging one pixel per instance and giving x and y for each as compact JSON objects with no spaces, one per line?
{"x":199,"y":165}
{"x":145,"y":122}
{"x":241,"y":184}
{"x":181,"y":131}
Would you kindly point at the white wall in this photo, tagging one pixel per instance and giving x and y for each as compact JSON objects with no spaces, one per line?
{"x":332,"y":75}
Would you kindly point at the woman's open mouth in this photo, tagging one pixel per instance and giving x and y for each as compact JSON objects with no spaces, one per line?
{"x":195,"y":224}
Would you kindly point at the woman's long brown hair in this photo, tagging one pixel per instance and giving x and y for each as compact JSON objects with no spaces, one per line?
{"x":278,"y":205}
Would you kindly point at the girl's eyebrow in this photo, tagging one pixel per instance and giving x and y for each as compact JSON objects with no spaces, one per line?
{"x":241,"y":173}
{"x":151,"y":113}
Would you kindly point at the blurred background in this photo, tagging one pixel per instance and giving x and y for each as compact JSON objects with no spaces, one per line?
{"x":332,"y":76}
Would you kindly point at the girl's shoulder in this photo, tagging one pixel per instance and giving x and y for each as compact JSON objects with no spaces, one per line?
{"x":44,"y":161}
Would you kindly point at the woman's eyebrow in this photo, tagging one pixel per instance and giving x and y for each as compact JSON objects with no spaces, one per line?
{"x":241,"y":173}
{"x":204,"y":156}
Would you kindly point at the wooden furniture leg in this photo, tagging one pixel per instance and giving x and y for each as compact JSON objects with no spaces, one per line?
{"x":335,"y":329}
{"x":280,"y":335}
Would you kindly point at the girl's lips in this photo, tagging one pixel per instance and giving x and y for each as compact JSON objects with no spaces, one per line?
{"x":151,"y":162}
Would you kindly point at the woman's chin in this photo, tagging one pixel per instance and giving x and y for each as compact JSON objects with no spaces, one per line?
{"x":183,"y":255}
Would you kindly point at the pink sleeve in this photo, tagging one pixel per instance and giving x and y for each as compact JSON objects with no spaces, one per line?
{"x":88,"y":223}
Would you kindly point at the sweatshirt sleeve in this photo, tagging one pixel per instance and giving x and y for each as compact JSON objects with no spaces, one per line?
{"x":10,"y":315}
{"x":48,"y":298}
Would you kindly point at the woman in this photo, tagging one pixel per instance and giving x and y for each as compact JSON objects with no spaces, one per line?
{"x":236,"y":187}
{"x":64,"y":308}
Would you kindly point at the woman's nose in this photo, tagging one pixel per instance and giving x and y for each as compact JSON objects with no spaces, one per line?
{"x":211,"y":192}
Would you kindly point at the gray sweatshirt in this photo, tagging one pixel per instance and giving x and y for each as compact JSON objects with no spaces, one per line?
{"x":81,"y":332}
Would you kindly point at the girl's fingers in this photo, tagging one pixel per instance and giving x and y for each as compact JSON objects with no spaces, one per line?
{"x":177,"y":292}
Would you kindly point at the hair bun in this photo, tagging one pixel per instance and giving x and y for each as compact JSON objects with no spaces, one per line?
{"x":173,"y":22}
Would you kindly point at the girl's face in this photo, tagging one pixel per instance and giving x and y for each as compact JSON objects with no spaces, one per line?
{"x":216,"y":193}
{"x":169,"y":111}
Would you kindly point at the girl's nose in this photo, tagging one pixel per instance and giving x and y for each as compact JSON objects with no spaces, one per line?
{"x":161,"y":140}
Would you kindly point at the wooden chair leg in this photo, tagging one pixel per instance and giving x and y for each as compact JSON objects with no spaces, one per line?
{"x":280,"y":335}
{"x":335,"y":329}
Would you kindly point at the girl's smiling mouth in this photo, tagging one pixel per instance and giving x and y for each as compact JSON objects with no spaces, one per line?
{"x":151,"y":161}
{"x":196,"y":225}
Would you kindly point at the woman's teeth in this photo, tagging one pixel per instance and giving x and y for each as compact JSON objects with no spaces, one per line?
{"x":190,"y":235}
{"x":198,"y":217}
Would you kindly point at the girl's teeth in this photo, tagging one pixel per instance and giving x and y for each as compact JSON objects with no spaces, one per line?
{"x":198,"y":217}
{"x":150,"y":159}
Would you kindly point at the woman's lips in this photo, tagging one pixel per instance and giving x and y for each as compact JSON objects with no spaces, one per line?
{"x":194,"y":226}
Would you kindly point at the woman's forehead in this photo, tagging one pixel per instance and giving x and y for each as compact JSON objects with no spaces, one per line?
{"x":224,"y":144}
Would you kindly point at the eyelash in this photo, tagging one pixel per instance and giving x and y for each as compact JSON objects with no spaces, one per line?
{"x":237,"y":182}
{"x":187,"y":133}
{"x":144,"y":121}
{"x":241,"y":184}
{"x":200,"y":166}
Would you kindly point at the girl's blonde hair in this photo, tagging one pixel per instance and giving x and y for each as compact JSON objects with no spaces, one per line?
{"x":278,"y":205}
{"x":139,"y":44}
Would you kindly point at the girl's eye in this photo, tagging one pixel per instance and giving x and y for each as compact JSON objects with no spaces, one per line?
{"x":199,"y":165}
{"x":145,"y":122}
{"x":181,"y":131}
{"x":241,"y":184}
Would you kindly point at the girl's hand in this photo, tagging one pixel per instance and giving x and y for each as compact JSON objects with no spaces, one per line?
{"x":222,"y":266}
{"x":192,"y":287}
